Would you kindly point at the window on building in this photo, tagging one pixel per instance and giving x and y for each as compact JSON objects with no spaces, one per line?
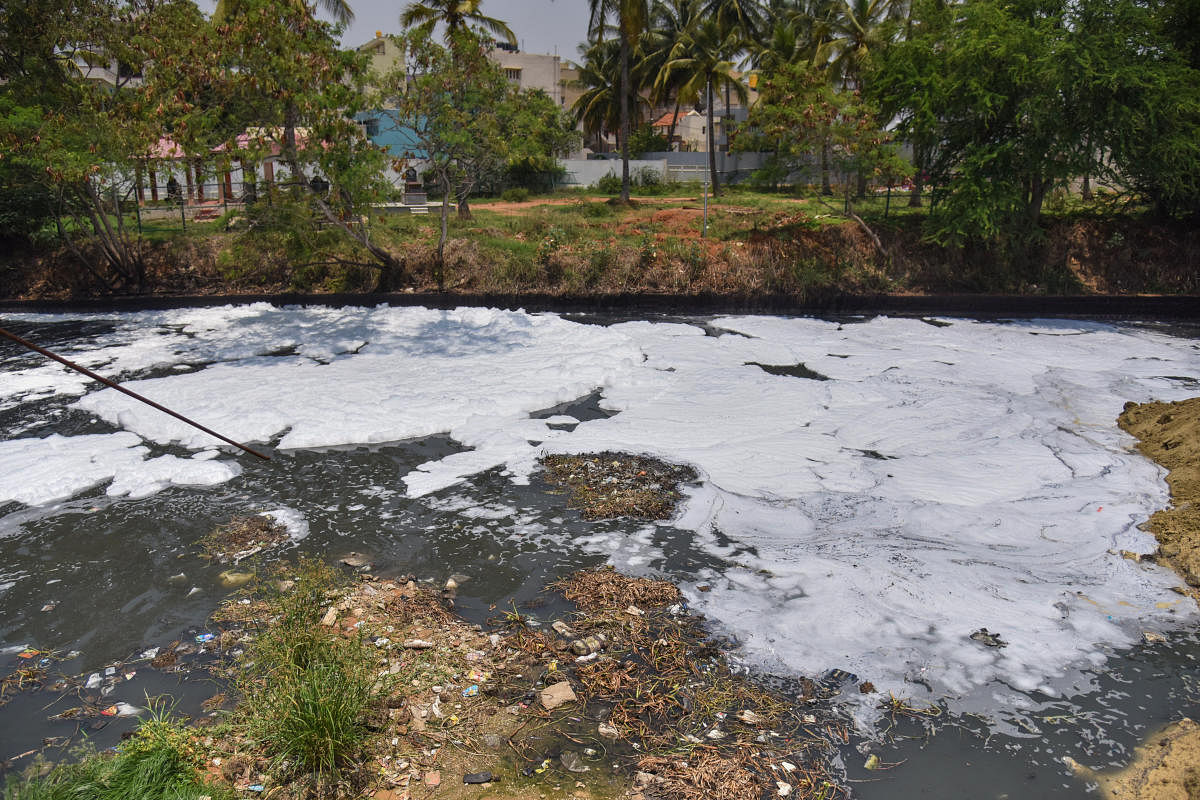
{"x":371,"y":126}
{"x":513,"y":74}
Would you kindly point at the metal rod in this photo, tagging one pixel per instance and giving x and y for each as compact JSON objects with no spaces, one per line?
{"x":123,"y":390}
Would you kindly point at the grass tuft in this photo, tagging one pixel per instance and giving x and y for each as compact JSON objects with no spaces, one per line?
{"x":307,"y":691}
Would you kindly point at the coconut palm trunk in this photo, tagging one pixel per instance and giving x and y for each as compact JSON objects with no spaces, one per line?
{"x":712,"y":150}
{"x":625,"y":55}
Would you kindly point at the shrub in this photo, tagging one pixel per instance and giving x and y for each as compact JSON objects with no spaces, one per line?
{"x":551,"y":243}
{"x":515,"y":194}
{"x":609,"y":184}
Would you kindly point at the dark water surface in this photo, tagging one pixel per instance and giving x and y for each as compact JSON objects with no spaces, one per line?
{"x":119,"y":576}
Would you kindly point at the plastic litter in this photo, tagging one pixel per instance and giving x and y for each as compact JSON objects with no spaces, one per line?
{"x":573,"y":761}
{"x":204,"y":638}
{"x":478,"y":777}
{"x":836,"y":677}
{"x":471,"y":691}
{"x":256,"y":787}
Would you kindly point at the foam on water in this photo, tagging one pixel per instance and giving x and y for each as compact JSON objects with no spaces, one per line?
{"x":942,"y":479}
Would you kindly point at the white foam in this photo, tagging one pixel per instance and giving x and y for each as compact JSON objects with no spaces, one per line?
{"x":943,"y":479}
{"x":40,"y":471}
{"x":292,"y":520}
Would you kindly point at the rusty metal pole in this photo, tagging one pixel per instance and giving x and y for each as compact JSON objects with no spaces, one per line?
{"x":123,"y":390}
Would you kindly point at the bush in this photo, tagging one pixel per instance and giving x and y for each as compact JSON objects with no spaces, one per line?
{"x":515,"y":194}
{"x":609,"y":184}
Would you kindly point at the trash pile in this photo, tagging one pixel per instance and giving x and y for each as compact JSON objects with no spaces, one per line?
{"x":604,"y":485}
{"x":88,"y":702}
{"x":666,"y":688}
{"x":628,"y":698}
{"x":243,"y":537}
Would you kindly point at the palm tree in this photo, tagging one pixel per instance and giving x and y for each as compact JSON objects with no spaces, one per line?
{"x":705,"y":57}
{"x":598,"y":109}
{"x":632,"y":17}
{"x":857,"y":30}
{"x":456,"y":15}
{"x":671,"y":20}
{"x":747,"y":16}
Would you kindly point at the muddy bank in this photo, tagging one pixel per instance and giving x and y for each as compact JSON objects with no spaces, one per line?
{"x":1169,"y":433}
{"x":1167,"y":765}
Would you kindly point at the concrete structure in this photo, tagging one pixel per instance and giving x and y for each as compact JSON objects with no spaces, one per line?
{"x":384,"y":52}
{"x":532,"y":71}
{"x":586,"y":172}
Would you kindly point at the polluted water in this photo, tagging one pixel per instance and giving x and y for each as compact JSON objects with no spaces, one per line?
{"x":934,"y":508}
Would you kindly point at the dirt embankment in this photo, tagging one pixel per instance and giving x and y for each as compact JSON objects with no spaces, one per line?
{"x":1167,"y":765}
{"x":549,"y":249}
{"x":1169,"y":433}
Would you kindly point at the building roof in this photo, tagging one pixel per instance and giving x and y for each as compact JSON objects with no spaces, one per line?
{"x":671,"y":118}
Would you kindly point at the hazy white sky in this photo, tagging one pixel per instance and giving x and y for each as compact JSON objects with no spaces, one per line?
{"x":540,"y":25}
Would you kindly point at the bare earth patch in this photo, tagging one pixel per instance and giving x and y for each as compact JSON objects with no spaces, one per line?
{"x":1166,"y":767}
{"x":1169,"y":433}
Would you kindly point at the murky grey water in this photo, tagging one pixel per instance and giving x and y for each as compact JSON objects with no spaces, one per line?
{"x":107,"y":572}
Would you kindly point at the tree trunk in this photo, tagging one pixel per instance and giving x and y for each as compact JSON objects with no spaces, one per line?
{"x":826,"y":186}
{"x":441,"y":251}
{"x":1037,"y":196}
{"x":1087,"y":176}
{"x":624,"y":118}
{"x":464,"y":208}
{"x":712,"y":154}
{"x":674,"y":122}
{"x":919,"y":159}
{"x":290,"y":156}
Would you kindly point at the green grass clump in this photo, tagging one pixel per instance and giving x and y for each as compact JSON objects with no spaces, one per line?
{"x":306,"y":691}
{"x":159,"y":762}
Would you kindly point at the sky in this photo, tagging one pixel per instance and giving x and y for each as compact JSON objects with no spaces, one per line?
{"x":542,"y":26}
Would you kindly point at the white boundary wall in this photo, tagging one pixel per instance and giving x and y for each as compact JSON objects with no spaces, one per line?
{"x":586,"y":172}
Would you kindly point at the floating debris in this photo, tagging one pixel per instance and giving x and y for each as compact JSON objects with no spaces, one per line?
{"x":990,"y":639}
{"x":606,"y":485}
{"x":605,"y":589}
{"x":243,"y":537}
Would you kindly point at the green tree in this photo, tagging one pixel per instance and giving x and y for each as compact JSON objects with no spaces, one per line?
{"x":290,"y":86}
{"x":72,"y":140}
{"x":456,"y":16}
{"x":671,"y":22}
{"x":453,"y":100}
{"x":799,"y":114}
{"x":1025,"y":97}
{"x":632,"y":18}
{"x":539,"y":132}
